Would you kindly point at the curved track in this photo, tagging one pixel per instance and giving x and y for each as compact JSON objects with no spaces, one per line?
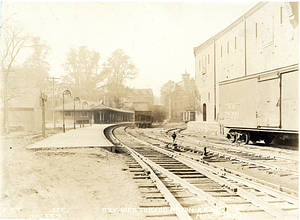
{"x":225,"y":195}
{"x":283,"y":162}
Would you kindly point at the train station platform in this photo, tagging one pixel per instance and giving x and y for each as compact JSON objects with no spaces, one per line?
{"x":91,"y":136}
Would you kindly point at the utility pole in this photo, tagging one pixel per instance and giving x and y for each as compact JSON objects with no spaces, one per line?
{"x":75,"y":99}
{"x":170,"y":112}
{"x":67,"y":92}
{"x":53,"y":107}
{"x":44,"y":99}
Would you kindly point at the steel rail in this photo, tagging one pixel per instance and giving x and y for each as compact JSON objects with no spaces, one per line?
{"x":272,"y":210}
{"x":286,"y":197}
{"x":262,"y":185}
{"x":173,"y":202}
{"x":267,"y":165}
{"x":232,"y":147}
{"x":255,"y":153}
{"x":193,"y":189}
{"x":235,"y":157}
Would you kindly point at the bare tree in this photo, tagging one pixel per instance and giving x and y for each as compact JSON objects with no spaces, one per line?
{"x":166,"y":95}
{"x":118,"y":68}
{"x":36,"y":64}
{"x":13,"y":40}
{"x":83,"y":72}
{"x":192,"y":95}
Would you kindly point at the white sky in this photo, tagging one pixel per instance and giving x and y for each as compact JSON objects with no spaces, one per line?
{"x":158,"y":36}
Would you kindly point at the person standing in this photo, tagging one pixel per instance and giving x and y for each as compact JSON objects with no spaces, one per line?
{"x":174,"y":137}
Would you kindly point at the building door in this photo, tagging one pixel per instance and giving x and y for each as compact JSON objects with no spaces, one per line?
{"x":97,"y":117}
{"x":204,"y":112}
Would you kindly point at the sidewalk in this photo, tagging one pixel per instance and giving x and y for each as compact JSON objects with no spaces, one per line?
{"x":91,"y":136}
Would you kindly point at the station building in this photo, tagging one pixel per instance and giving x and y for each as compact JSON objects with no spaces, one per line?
{"x":86,"y":112}
{"x":263,"y":39}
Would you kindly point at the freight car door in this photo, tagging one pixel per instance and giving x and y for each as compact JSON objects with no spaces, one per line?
{"x":290,"y":101}
{"x":268,"y":109}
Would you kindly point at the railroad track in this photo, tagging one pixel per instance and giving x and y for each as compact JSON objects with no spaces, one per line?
{"x":215,"y":159}
{"x":206,"y":192}
{"x":284,"y":154}
{"x":283,"y":164}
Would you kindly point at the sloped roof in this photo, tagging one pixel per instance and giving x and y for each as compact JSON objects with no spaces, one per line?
{"x":103,"y":107}
{"x":88,"y":105}
{"x":83,"y":104}
{"x":137,"y":99}
{"x":26,"y":99}
{"x":142,"y":92}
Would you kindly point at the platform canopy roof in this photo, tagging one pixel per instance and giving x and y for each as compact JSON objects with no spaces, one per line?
{"x":84,"y":105}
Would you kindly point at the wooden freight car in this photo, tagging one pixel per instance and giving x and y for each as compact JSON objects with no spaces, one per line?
{"x":261,"y":106}
{"x":143,"y":119}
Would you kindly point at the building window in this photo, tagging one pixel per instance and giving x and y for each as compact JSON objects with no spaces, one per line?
{"x":83,"y":114}
{"x":256,"y":30}
{"x":204,"y":112}
{"x":227,"y":46}
{"x":203,"y":64}
{"x":234,"y":42}
{"x":67,"y":113}
{"x":280,"y":15}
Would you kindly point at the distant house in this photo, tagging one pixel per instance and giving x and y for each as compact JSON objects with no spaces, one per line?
{"x":25,"y":111}
{"x":183,"y":97}
{"x":140,"y":100}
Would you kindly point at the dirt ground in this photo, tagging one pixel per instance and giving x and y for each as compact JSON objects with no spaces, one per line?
{"x":84,"y":183}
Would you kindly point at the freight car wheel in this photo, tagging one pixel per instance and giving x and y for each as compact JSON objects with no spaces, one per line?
{"x":232,"y":137}
{"x":268,"y":140}
{"x":243,"y":138}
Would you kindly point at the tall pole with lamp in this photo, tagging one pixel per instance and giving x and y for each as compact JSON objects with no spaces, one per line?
{"x":84,"y":103}
{"x":75,"y":99}
{"x":44,"y":99}
{"x":66,"y":92}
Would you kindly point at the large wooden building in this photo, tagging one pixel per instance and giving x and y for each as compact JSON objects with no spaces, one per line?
{"x":183,"y":97}
{"x":140,"y":100}
{"x":265,"y":38}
